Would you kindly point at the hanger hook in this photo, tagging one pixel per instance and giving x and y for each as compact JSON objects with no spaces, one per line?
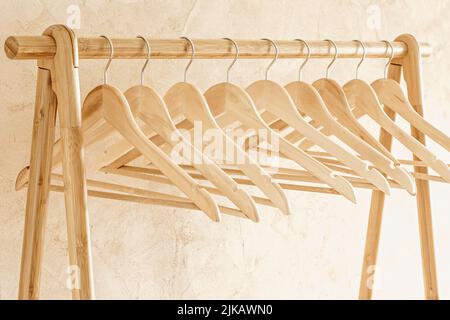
{"x":388,"y":45}
{"x":149,"y":53}
{"x":191,"y":43}
{"x":274,"y":58}
{"x":335,"y":55}
{"x":236,"y":47}
{"x":308,"y":55}
{"x":362,"y":59}
{"x":111,"y":55}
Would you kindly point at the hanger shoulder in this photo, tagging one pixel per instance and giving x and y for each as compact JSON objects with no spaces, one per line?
{"x":269,"y":96}
{"x":146,"y":104}
{"x":333,"y":101}
{"x":364,"y":98}
{"x":334,"y":98}
{"x":277,"y":109}
{"x":391,"y":95}
{"x":117,"y":112}
{"x":186,"y":99}
{"x":230,"y":101}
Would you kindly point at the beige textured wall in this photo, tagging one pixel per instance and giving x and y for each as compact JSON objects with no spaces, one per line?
{"x":153,"y":252}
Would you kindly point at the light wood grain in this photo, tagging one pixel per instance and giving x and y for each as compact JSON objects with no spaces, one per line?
{"x":65,"y":81}
{"x":412,"y":72}
{"x":373,"y":232}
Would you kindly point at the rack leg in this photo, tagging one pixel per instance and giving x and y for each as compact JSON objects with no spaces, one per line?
{"x":66,"y":84}
{"x":412,"y":73}
{"x":413,"y":77}
{"x":38,"y":186}
{"x":376,"y":212}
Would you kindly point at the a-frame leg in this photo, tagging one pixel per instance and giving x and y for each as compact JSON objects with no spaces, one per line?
{"x":66,"y":87}
{"x":38,"y":186}
{"x":376,"y":211}
{"x":412,"y":71}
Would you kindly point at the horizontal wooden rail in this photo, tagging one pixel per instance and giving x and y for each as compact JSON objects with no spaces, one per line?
{"x":44,"y":47}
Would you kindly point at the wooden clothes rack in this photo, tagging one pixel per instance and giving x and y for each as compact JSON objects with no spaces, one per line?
{"x":58,"y":52}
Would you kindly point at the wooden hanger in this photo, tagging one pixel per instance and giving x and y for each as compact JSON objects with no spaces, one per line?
{"x":229,"y":103}
{"x":271,"y":97}
{"x":185,"y":102}
{"x":365,"y":101}
{"x":147,"y":105}
{"x":325,"y":99}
